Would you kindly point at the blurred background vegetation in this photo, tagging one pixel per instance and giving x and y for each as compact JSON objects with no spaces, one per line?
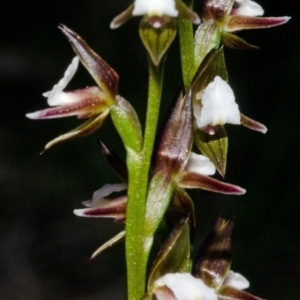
{"x":44,"y":247}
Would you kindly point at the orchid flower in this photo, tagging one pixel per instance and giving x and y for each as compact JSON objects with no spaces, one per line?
{"x":184,"y":286}
{"x":155,"y":12}
{"x":216,"y":106}
{"x":211,"y":278}
{"x":220,"y":19}
{"x":92,"y":103}
{"x":173,"y":153}
{"x":237,"y":15}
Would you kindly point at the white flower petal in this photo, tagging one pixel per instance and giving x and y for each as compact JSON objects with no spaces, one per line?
{"x":247,"y":8}
{"x":155,"y":8}
{"x":56,"y":96}
{"x":98,"y":196}
{"x":236,"y":280}
{"x":186,"y":287}
{"x":200,"y":164}
{"x":218,"y":105}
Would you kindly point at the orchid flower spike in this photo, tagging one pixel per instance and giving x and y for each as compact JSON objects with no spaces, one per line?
{"x":157,"y":12}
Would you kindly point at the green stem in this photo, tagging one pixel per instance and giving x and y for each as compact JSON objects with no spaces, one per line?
{"x":186,"y":42}
{"x":138,"y":169}
{"x":135,"y":215}
{"x":154,"y":97}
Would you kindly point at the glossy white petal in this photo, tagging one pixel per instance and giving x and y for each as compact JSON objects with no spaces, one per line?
{"x":217,"y":105}
{"x":98,"y":198}
{"x":153,"y":8}
{"x":247,"y":8}
{"x":200,"y":164}
{"x":56,"y":96}
{"x":185,"y":287}
{"x":236,"y":280}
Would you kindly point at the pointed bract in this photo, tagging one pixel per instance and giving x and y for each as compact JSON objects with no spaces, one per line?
{"x":232,"y":41}
{"x":157,"y":40}
{"x":86,"y":128}
{"x":160,"y":193}
{"x":127,"y":124}
{"x":214,"y":257}
{"x":215,"y":147}
{"x":183,"y":205}
{"x":110,"y":243}
{"x":174,"y":255}
{"x":115,"y":162}
{"x":175,"y":138}
{"x":207,"y":37}
{"x":103,"y":74}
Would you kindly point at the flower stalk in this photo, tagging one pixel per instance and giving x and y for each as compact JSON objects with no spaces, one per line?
{"x":160,"y":167}
{"x":138,"y":169}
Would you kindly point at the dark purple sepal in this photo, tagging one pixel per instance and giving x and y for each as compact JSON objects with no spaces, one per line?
{"x":174,"y":255}
{"x":252,"y":124}
{"x":115,"y":161}
{"x":183,"y":205}
{"x":192,"y":180}
{"x":175,"y":138}
{"x":236,"y":22}
{"x":214,"y":257}
{"x":104,"y":75}
{"x":114,"y":208}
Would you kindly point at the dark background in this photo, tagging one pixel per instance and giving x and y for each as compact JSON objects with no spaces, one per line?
{"x":43,"y":247}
